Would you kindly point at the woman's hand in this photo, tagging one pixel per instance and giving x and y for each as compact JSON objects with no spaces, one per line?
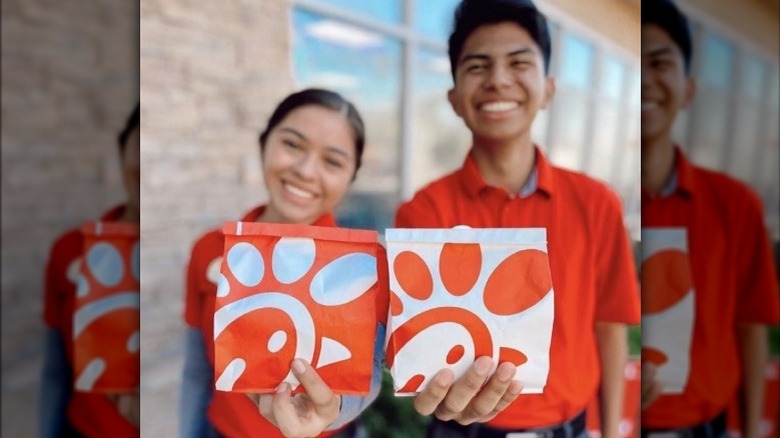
{"x":128,"y":405}
{"x":302,"y":415}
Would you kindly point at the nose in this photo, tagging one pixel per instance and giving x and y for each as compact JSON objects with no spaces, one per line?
{"x":498,"y":76}
{"x":306,"y":167}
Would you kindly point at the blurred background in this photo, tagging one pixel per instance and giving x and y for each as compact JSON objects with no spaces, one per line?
{"x":211,"y":73}
{"x":69,"y":82}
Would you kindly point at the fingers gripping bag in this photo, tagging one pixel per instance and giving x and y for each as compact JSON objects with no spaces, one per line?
{"x":458,"y":294}
{"x":106,"y":321}
{"x":295,"y":291}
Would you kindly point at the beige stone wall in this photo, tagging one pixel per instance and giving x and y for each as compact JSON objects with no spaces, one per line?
{"x":617,"y":21}
{"x":69,"y":80}
{"x":211,"y":73}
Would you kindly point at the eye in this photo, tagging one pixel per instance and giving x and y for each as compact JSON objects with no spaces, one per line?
{"x":291,"y":144}
{"x":475,"y":68}
{"x":660,"y":63}
{"x":520,"y":63}
{"x":334,"y":163}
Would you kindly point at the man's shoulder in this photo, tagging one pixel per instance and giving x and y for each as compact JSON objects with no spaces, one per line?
{"x":578,"y":185}
{"x":722,"y":184}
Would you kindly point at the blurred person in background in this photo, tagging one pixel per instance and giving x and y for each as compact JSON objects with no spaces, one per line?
{"x":311,"y":151}
{"x":63,"y":411}
{"x":730,"y":264}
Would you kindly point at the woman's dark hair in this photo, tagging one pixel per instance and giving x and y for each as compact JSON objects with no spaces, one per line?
{"x":134,"y":121}
{"x":323,"y":98}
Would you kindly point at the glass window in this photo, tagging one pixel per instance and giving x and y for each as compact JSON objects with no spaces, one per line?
{"x":613,"y":77}
{"x":433,"y":18}
{"x":752,"y":80}
{"x":440,"y":139}
{"x":390,"y":11}
{"x":572,"y":103}
{"x":711,"y":131}
{"x":364,"y":67}
{"x":717,"y":61}
{"x":577,"y":63}
{"x":609,"y":127}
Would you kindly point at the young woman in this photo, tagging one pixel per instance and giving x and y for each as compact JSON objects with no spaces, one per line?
{"x":62,"y":411}
{"x":311,"y":151}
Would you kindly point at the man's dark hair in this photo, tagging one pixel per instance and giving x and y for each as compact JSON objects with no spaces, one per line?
{"x":666,"y":15}
{"x":133,"y":122}
{"x":472,"y":14}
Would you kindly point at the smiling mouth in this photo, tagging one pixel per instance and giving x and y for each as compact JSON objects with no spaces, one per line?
{"x":497,"y":107}
{"x":297,"y":191}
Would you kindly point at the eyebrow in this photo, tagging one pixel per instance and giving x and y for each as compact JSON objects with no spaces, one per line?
{"x":297,"y":133}
{"x":661,"y":51}
{"x":484,"y":57}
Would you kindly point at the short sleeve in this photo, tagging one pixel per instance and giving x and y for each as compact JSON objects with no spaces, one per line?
{"x":617,"y":285}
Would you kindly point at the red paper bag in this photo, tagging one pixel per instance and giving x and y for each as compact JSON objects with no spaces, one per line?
{"x":106,"y":321}
{"x":295,"y":291}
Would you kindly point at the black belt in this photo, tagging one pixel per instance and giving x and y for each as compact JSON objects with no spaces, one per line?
{"x":710,"y":429}
{"x":451,"y":429}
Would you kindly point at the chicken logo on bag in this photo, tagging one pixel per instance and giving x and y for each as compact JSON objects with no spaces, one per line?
{"x":106,"y":321}
{"x":668,"y":305}
{"x":287,"y":292}
{"x":459,"y":294}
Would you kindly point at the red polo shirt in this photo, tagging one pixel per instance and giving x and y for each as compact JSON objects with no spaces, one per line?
{"x":94,"y":415}
{"x":590,"y":261}
{"x":733,"y":279}
{"x":232,"y":414}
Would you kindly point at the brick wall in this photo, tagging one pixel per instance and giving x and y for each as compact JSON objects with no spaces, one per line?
{"x":211,"y":73}
{"x":69,"y":80}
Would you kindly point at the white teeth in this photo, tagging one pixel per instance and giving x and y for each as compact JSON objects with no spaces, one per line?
{"x":499,"y":106}
{"x":298,"y":192}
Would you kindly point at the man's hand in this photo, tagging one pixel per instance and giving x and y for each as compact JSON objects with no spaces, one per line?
{"x":305,"y":414}
{"x":651,"y":389}
{"x":466,"y":400}
{"x":128,"y":405}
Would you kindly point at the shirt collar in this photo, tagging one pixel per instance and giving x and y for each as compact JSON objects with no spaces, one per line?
{"x":539,"y":179}
{"x":685,"y":175}
{"x":326,"y":220}
{"x":682,"y":177}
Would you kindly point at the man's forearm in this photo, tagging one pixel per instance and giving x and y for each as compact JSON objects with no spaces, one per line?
{"x":611,"y":338}
{"x":753,"y":355}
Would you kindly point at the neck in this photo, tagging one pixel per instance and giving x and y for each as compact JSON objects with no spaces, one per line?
{"x":130,"y":214}
{"x":505,"y":164}
{"x":270,"y":215}
{"x":657,"y":162}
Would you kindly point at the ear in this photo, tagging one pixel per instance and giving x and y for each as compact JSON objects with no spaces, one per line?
{"x":690,"y":91}
{"x":549,"y":92}
{"x":454,"y":101}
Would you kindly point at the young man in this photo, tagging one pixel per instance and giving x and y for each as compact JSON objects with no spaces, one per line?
{"x":62,"y":411}
{"x":499,"y":53}
{"x":731,"y":267}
